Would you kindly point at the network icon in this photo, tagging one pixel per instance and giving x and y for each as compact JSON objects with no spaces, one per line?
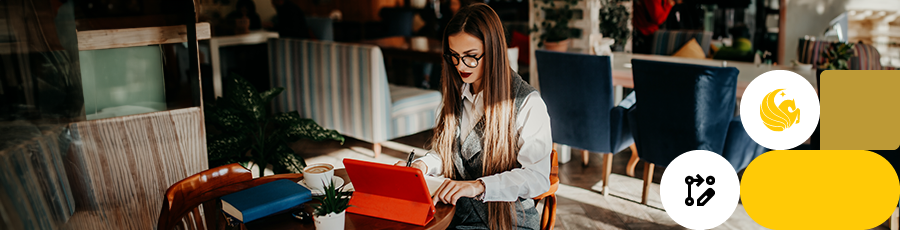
{"x":706,"y":196}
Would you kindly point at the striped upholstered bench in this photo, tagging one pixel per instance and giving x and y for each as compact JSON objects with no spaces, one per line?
{"x":344,"y":87}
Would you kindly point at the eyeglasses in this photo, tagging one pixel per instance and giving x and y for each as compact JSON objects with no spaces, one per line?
{"x":469,"y":60}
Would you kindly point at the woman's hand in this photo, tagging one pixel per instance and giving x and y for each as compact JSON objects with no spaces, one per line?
{"x":416,"y":164}
{"x":451,"y":190}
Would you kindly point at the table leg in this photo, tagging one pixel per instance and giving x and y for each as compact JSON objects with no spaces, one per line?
{"x":618,"y":94}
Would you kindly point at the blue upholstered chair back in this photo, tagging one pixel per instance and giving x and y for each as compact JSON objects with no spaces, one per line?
{"x":322,"y":28}
{"x":578,"y":91}
{"x":680,"y":108}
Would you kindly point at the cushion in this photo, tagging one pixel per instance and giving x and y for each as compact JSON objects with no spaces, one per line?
{"x":407,"y":100}
{"x":513,"y":55}
{"x":810,"y":51}
{"x":691,"y":49}
{"x":413,"y":109}
{"x":666,"y":42}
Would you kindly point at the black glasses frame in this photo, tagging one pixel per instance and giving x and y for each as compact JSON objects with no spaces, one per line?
{"x":455,"y":58}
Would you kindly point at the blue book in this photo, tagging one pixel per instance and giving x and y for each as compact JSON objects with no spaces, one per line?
{"x":266,"y":199}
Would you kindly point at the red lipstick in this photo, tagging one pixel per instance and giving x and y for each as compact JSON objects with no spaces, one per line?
{"x":464,"y":75}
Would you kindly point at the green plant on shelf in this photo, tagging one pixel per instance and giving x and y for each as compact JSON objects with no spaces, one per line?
{"x":244,"y":132}
{"x":614,"y":21}
{"x":556,"y":21}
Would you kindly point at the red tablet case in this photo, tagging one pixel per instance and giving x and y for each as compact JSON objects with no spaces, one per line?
{"x":389,"y":192}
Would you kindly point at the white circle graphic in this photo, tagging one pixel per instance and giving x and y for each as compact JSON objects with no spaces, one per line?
{"x":780,"y":109}
{"x":714,"y":189}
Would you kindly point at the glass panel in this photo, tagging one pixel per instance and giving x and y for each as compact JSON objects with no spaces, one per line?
{"x":122,"y":81}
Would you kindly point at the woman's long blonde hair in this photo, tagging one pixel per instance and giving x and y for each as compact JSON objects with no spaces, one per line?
{"x":500,"y":136}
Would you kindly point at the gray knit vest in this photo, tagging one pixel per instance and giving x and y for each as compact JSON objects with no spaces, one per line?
{"x":470,"y":213}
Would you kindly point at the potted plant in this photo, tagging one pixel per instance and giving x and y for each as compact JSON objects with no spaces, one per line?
{"x":243,"y":132}
{"x":837,"y":56}
{"x":614,"y":22}
{"x":331,"y":212}
{"x":556,"y":30}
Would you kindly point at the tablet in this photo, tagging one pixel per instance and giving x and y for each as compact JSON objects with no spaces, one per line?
{"x":390,"y":192}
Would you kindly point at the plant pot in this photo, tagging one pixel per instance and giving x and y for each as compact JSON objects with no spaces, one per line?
{"x":254,"y":169}
{"x":558,"y":46}
{"x":331,"y":221}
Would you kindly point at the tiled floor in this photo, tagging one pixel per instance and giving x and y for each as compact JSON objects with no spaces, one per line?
{"x":580,"y":205}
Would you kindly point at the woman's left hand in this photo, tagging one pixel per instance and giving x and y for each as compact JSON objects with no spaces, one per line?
{"x":451,"y":190}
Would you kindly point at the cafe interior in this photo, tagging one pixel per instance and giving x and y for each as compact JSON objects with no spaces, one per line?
{"x":147,"y":114}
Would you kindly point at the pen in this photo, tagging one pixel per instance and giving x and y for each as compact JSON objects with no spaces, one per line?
{"x":410,"y":158}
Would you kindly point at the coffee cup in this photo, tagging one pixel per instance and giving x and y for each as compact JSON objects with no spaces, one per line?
{"x":318,"y":175}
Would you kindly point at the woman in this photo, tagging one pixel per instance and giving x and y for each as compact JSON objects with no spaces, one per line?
{"x":493,"y":133}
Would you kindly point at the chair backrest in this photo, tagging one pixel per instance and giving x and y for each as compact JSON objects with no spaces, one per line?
{"x":341,"y":86}
{"x":322,"y":28}
{"x":554,"y":167}
{"x":183,"y":197}
{"x":554,"y":176}
{"x":182,"y":201}
{"x":667,"y":42}
{"x":681,"y":107}
{"x":810,"y":51}
{"x":578,"y":91}
{"x":865,"y":57}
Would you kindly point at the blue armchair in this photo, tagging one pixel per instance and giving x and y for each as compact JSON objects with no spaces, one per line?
{"x":684,"y":107}
{"x":578,"y":91}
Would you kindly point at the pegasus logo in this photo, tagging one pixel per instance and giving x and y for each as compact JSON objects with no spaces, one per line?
{"x":778,"y":117}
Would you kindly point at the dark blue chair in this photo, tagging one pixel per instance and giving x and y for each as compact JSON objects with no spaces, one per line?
{"x":578,"y":91}
{"x":683,"y":107}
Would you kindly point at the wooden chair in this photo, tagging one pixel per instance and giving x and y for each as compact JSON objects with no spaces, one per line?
{"x":548,"y":218}
{"x":181,"y":204}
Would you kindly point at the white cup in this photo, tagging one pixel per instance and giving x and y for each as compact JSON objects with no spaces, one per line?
{"x":419,"y":43}
{"x":318,"y":175}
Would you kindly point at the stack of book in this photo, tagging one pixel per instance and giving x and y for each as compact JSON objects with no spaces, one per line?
{"x":264,"y":200}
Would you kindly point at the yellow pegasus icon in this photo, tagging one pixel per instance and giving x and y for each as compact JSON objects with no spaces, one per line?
{"x":781,"y":117}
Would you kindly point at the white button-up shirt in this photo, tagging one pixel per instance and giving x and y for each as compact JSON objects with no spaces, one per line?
{"x":535,"y":143}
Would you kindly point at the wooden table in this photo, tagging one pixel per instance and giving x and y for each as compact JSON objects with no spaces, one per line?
{"x":623,"y":77}
{"x":442,"y":217}
{"x":399,"y":47}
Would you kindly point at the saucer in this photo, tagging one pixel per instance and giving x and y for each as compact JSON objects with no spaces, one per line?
{"x":338,"y":181}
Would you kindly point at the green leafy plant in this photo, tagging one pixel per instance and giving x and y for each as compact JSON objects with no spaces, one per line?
{"x":334,"y":201}
{"x":837,"y":56}
{"x":614,"y":21}
{"x":244,"y":132}
{"x":556,"y":21}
